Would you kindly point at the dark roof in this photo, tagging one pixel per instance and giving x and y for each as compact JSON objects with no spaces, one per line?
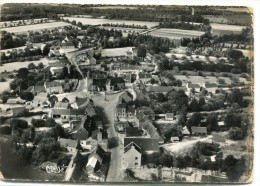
{"x":129,"y":146}
{"x":159,"y":88}
{"x":35,"y":89}
{"x":144,"y":75}
{"x":115,"y":80}
{"x":146,"y":144}
{"x":211,"y":85}
{"x":68,"y":111}
{"x":132,"y":131}
{"x":126,"y":97}
{"x":199,"y":129}
{"x":83,"y":102}
{"x":190,"y":85}
{"x":80,"y":134}
{"x":98,"y":150}
{"x":98,"y":120}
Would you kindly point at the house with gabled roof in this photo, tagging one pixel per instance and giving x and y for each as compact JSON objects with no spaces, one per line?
{"x":61,"y":105}
{"x":53,"y":87}
{"x":159,"y":89}
{"x":69,"y":144}
{"x":210,"y":87}
{"x":147,"y":145}
{"x":191,"y":86}
{"x":195,"y":131}
{"x":124,"y":112}
{"x":81,"y":103}
{"x":115,"y":83}
{"x":67,"y":114}
{"x":126,"y":97}
{"x":144,"y":77}
{"x":132,"y":131}
{"x":132,"y":155}
{"x":95,"y":159}
{"x":78,"y":130}
{"x":36,"y":89}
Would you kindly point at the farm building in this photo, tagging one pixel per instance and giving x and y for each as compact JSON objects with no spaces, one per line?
{"x":198,"y":130}
{"x":132,"y":155}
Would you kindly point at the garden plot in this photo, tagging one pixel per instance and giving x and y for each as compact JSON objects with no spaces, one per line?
{"x":196,"y":57}
{"x":99,"y":21}
{"x":22,"y":29}
{"x":176,"y":33}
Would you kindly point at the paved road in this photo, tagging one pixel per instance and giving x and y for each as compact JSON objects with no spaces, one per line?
{"x":115,"y":167}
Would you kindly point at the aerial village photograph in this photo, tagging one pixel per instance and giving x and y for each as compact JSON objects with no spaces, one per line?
{"x":93,"y":93}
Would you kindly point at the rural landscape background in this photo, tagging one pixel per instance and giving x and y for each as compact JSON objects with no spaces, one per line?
{"x":126,"y":93}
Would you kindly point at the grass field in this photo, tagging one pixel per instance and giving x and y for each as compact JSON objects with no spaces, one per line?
{"x":22,"y":29}
{"x":218,"y":26}
{"x":240,"y":19}
{"x":92,"y":21}
{"x":176,"y":33}
{"x":115,"y":52}
{"x":16,"y":65}
{"x":122,"y":28}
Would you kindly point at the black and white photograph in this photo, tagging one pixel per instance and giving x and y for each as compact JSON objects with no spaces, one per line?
{"x":126,"y":93}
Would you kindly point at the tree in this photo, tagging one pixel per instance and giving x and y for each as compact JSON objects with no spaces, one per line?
{"x":13,"y":85}
{"x":19,"y":123}
{"x":235,"y":97}
{"x":50,"y":122}
{"x":165,"y":160}
{"x":28,"y":96}
{"x":153,"y":81}
{"x":234,"y":54}
{"x":233,"y":120}
{"x":23,"y":73}
{"x":194,"y":120}
{"x":38,"y":122}
{"x":212,"y":122}
{"x":141,"y":51}
{"x":177,"y":99}
{"x":236,"y":133}
{"x":31,"y":66}
{"x":194,"y":106}
{"x":40,"y":66}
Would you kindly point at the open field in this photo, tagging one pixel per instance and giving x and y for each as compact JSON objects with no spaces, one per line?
{"x":115,"y":51}
{"x":115,"y":7}
{"x":176,"y":33}
{"x":240,"y":19}
{"x":207,"y":79}
{"x":217,"y":26}
{"x":16,"y":65}
{"x":22,"y":29}
{"x":247,"y":53}
{"x":92,"y":21}
{"x":5,"y":85}
{"x":122,"y":28}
